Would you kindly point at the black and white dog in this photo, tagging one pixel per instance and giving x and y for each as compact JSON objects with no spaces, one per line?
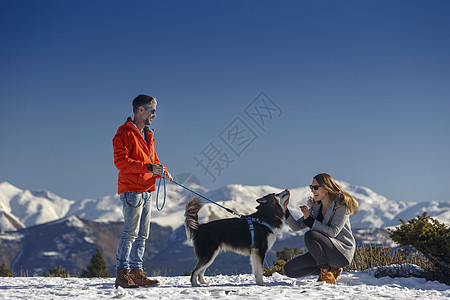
{"x":251,"y":235}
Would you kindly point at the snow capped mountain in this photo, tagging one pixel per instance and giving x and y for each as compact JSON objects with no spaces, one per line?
{"x":24,"y":208}
{"x":438,"y":210}
{"x":107,"y":208}
{"x":73,"y":229}
{"x":375,"y":211}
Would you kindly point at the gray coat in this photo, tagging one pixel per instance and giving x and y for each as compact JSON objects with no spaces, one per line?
{"x":336,"y":225}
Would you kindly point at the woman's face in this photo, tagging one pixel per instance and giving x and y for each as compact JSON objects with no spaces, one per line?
{"x":319,"y":194}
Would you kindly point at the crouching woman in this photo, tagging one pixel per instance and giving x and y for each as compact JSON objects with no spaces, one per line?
{"x":329,"y":241}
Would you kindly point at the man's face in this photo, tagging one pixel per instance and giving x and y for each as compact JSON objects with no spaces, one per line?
{"x":148,"y":113}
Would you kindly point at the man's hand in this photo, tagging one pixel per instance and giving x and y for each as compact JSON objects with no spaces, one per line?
{"x":168,"y":176}
{"x":155,"y":169}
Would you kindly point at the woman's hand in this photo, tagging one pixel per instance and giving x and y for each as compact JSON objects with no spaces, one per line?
{"x":305,"y":211}
{"x":285,"y":204}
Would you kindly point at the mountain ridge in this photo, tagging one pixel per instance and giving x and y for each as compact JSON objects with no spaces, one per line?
{"x":23,"y":208}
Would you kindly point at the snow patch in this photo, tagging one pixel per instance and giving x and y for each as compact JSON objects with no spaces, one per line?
{"x":352,"y":285}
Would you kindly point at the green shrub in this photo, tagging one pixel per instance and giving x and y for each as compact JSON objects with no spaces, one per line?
{"x":429,"y":237}
{"x":57,"y":271}
{"x":283,"y":256}
{"x":96,"y":267}
{"x":287,"y":253}
{"x":5,"y":272}
{"x":277,"y":267}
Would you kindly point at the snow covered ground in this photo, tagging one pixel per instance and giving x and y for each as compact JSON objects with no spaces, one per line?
{"x":353,"y":285}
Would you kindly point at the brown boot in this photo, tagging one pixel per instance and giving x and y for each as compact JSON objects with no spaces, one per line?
{"x":326,"y":276}
{"x":142,"y":280}
{"x":336,"y":272}
{"x":125,"y":279}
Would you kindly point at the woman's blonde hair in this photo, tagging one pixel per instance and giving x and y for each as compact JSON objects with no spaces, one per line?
{"x":336,"y":192}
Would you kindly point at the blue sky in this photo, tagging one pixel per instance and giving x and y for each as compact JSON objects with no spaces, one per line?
{"x":357,"y":89}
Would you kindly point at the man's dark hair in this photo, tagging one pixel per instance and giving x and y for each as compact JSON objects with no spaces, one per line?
{"x":142,"y":100}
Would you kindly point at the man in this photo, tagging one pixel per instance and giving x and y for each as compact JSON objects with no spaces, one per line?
{"x":139,"y":166}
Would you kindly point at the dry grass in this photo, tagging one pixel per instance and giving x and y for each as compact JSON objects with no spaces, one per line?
{"x":384,"y":261}
{"x":376,"y":256}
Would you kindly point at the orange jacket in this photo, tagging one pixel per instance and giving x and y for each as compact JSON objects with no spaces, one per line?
{"x":132,"y":156}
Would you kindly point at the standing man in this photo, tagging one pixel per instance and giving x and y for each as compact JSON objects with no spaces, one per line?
{"x":139,"y":166}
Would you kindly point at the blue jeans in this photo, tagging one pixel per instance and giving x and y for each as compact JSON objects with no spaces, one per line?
{"x":136,"y":229}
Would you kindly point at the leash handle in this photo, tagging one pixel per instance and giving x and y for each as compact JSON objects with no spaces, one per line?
{"x":163,"y":178}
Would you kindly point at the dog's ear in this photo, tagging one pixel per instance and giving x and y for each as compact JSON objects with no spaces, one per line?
{"x":261,"y":200}
{"x":266,"y":199}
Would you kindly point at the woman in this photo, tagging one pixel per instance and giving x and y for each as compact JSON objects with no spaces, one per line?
{"x":330,"y":241}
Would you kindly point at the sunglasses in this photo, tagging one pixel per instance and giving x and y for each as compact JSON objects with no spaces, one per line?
{"x":315,"y":187}
{"x":151,"y":108}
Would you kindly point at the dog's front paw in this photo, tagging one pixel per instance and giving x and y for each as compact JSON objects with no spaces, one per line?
{"x":194,"y":283}
{"x":202,"y":280}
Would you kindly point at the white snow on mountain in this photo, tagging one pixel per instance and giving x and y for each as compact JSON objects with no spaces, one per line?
{"x":23,"y":208}
{"x":107,"y":208}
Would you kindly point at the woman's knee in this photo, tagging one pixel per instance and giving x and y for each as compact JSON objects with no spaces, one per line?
{"x":308,"y":234}
{"x":309,"y":237}
{"x":316,"y":235}
{"x":288,"y":270}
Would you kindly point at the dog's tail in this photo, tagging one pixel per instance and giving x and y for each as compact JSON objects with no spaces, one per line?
{"x":191,"y":216}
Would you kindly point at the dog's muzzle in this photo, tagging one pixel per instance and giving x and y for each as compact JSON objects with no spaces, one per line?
{"x":284,"y":196}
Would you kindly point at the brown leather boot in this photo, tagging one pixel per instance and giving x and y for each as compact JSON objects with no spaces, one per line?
{"x":336,"y":272}
{"x":326,"y":276}
{"x":142,"y":280}
{"x":125,"y":279}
